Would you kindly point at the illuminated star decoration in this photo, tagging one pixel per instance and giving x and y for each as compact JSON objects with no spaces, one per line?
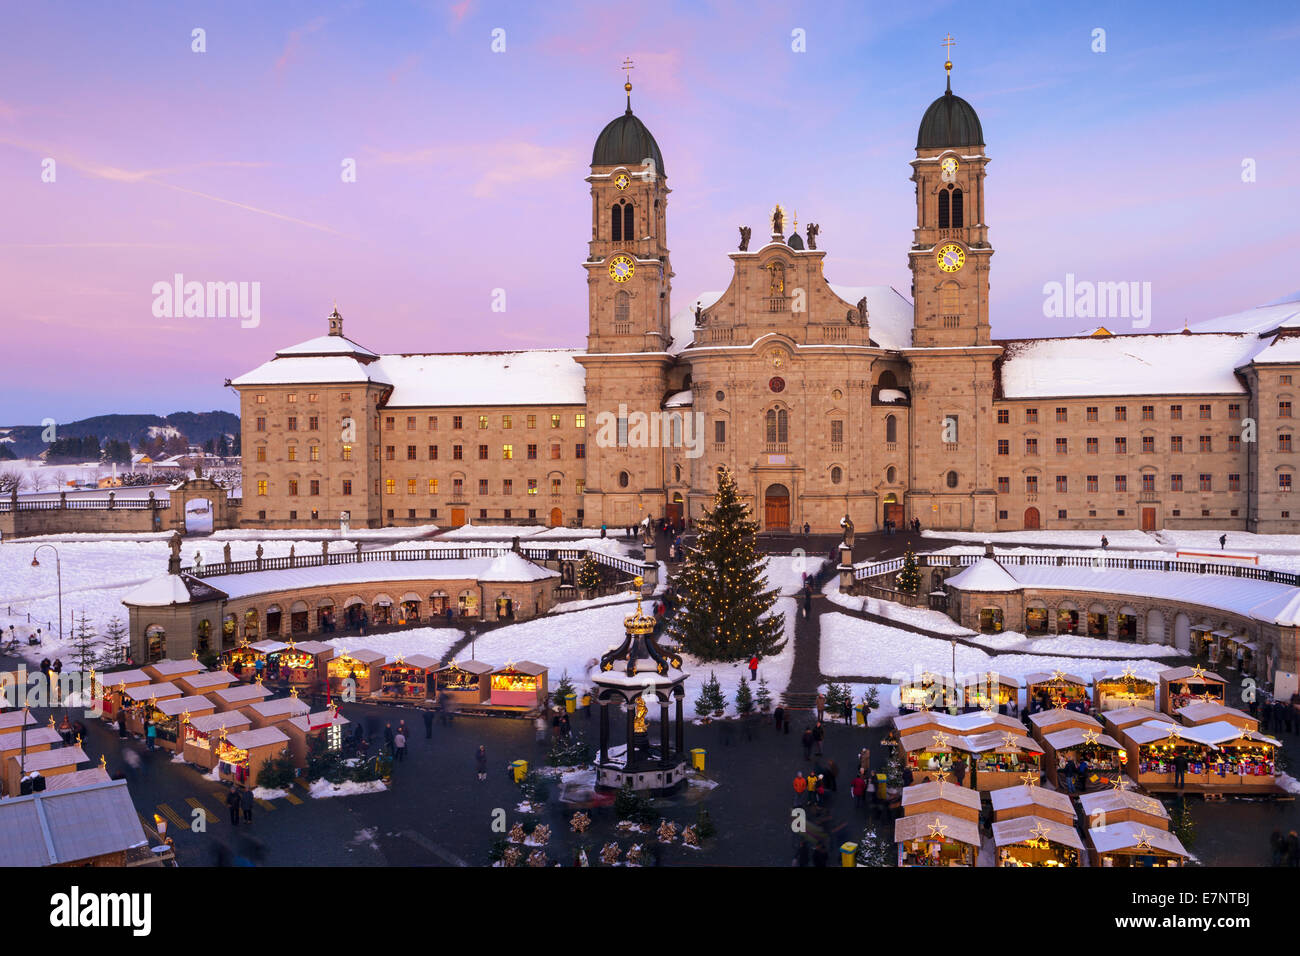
{"x":1127,"y":674}
{"x":943,"y":777}
{"x":1040,"y":832}
{"x":1090,"y":736}
{"x":1118,"y":782}
{"x":1058,"y":676}
{"x":1029,"y":779}
{"x":1144,"y":840}
{"x":1174,"y":735}
{"x":1198,"y":673}
{"x":940,"y":739}
{"x":1009,"y":740}
{"x":937,"y":829}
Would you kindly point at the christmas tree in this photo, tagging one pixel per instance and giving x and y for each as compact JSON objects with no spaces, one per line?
{"x":83,"y":640}
{"x":909,"y":578}
{"x":116,"y":640}
{"x":725,"y":601}
{"x":744,"y":699}
{"x":588,"y":574}
{"x":764,"y":696}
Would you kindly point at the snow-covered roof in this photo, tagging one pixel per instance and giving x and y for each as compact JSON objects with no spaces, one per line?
{"x":1194,"y":673}
{"x":222,"y":678}
{"x":921,"y":827}
{"x":268,"y":646}
{"x":919,"y":793}
{"x":328,"y":345}
{"x":16,"y":740}
{"x":168,"y":589}
{"x":420,"y":661}
{"x":1281,"y":350}
{"x":156,"y":692}
{"x":683,"y":399}
{"x":363,"y":655}
{"x":1212,"y":734}
{"x":313,"y":370}
{"x":1074,"y":736}
{"x":16,"y":718}
{"x":322,"y":718}
{"x":313,"y":647}
{"x":1128,"y":834}
{"x":1163,"y":364}
{"x":531,"y":668}
{"x":1020,"y":829}
{"x":1205,"y":710}
{"x":889,"y":314}
{"x":49,"y":759}
{"x":1280,"y":313}
{"x":281,"y":705}
{"x":961,"y":723}
{"x":173,"y":668}
{"x":998,"y":740}
{"x":533,"y":377}
{"x":1124,"y":717}
{"x":1023,"y":795}
{"x":469,"y":667}
{"x":131,"y":678}
{"x":1046,"y":677}
{"x":984,"y":575}
{"x":239,"y":693}
{"x":1109,"y":800}
{"x":1045,"y":720}
{"x":513,"y":567}
{"x":212,"y":723}
{"x":257,"y":737}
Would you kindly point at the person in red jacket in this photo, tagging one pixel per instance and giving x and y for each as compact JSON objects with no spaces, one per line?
{"x":859,"y":790}
{"x":800,"y":786}
{"x":753,"y":668}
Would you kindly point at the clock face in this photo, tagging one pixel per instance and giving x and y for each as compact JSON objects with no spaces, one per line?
{"x":948,"y":169}
{"x":621,"y":268}
{"x":621,"y":181}
{"x":951,"y":257}
{"x":776,"y":384}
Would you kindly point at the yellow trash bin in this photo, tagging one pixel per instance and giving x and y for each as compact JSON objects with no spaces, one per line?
{"x":570,"y":702}
{"x":697,"y":758}
{"x":520,"y":768}
{"x":848,"y":854}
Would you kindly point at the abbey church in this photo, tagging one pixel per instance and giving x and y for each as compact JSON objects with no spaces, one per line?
{"x":823,"y":399}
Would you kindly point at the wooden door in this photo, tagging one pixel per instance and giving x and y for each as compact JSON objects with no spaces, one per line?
{"x":557,"y":518}
{"x":894,"y":513}
{"x":1148,"y":519}
{"x":776,"y":509}
{"x":457,"y":517}
{"x":1031,"y":519}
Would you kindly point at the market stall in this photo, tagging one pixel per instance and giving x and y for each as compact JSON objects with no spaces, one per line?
{"x":992,"y":692}
{"x":241,"y":756}
{"x":1047,"y":688}
{"x":928,"y":692}
{"x":1024,"y":800}
{"x":928,"y":754}
{"x":202,"y":733}
{"x":173,"y":714}
{"x":1117,"y":722}
{"x":1050,"y":721}
{"x":1098,"y":757}
{"x":1180,"y":686}
{"x":36,"y":740}
{"x":243,"y":660}
{"x":318,"y":732}
{"x":411,"y":678}
{"x":936,"y":840}
{"x":463,"y":682}
{"x":1115,"y":691}
{"x":1208,"y":712}
{"x":238,"y":695}
{"x":975,"y":722}
{"x":1116,"y":806}
{"x":1134,"y":844}
{"x":141,"y":704}
{"x":169,"y":670}
{"x":268,"y":713}
{"x":1033,"y":841}
{"x":210,"y":680}
{"x":519,"y":684}
{"x":303,"y":664}
{"x":45,"y":763}
{"x":1001,"y":758}
{"x":1220,"y":757}
{"x":111,"y":689}
{"x":354,"y":675}
{"x":922,"y":799}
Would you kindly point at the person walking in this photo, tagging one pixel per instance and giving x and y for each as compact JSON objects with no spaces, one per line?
{"x":864,"y":761}
{"x":807,"y":742}
{"x":821,"y":707}
{"x":1082,"y":773}
{"x":150,"y":733}
{"x":232,"y":804}
{"x":428,"y":724}
{"x":246,"y":803}
{"x":800,"y":788}
{"x":564,"y":725}
{"x":847,"y":708}
{"x":399,"y":746}
{"x":1292,"y":849}
{"x":55,"y":669}
{"x":1180,"y":770}
{"x":807,"y":601}
{"x":859,"y":790}
{"x":121,"y":723}
{"x":959,"y":771}
{"x":586,"y":704}
{"x":753,"y":668}
{"x":1223,"y":541}
{"x":1277,"y":843}
{"x":778,"y":717}
{"x":1069,"y":773}
{"x":819,"y":734}
{"x":480,"y":761}
{"x":388,"y":736}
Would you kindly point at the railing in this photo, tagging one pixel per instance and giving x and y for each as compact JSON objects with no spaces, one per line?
{"x":864,"y":571}
{"x":835,"y":333}
{"x":717,"y":335}
{"x":531,"y":552}
{"x":778,"y":303}
{"x":776,"y":447}
{"x":84,"y":504}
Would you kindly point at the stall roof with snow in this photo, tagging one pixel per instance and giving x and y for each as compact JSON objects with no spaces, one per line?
{"x":1046,"y":720}
{"x":923,"y":826}
{"x":1129,"y":835}
{"x":65,"y":826}
{"x":919,"y":793}
{"x":1111,"y":800}
{"x":213,"y":723}
{"x":180,"y":705}
{"x":1024,"y":795}
{"x":1022,"y":829}
{"x":257,"y":737}
{"x":1075,"y":736}
{"x":985,"y":576}
{"x":282,"y":705}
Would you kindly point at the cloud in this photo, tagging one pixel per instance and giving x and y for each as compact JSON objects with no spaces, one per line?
{"x":294,"y":42}
{"x":497,"y":164}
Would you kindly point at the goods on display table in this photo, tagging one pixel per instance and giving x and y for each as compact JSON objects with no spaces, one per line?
{"x":173,"y":714}
{"x":1034,"y":841}
{"x":243,"y":659}
{"x":929,"y":692}
{"x":923,"y":799}
{"x":1180,"y":686}
{"x":1116,"y":806}
{"x":929,"y":753}
{"x":936,"y":840}
{"x":464,"y":682}
{"x":202,"y":734}
{"x":519,"y":684}
{"x":141,"y":704}
{"x":110,"y":689}
{"x":1026,"y":800}
{"x":241,"y":756}
{"x":1134,"y":844}
{"x":1049,"y":687}
{"x":1115,"y":691}
{"x":991,"y":691}
{"x":1098,"y":758}
{"x":301,"y":663}
{"x":408,"y":678}
{"x":1219,"y":756}
{"x":354,"y":674}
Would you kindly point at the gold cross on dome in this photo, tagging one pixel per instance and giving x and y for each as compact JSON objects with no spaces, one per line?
{"x":948,"y":43}
{"x":628,"y":65}
{"x":937,"y":829}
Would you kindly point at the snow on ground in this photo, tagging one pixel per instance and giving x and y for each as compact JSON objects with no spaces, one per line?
{"x":923,"y":617}
{"x":266,"y":793}
{"x":623,"y":597}
{"x":1082,"y":539}
{"x":1070,"y":644}
{"x":352,"y":535}
{"x":852,"y":647}
{"x":786,"y":571}
{"x":433,"y":642}
{"x":1288,"y":783}
{"x":574,"y":642}
{"x":321,"y":789}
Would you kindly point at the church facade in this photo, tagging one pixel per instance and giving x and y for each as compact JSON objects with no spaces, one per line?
{"x":823,"y":399}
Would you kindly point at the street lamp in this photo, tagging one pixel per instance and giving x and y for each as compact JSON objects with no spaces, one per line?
{"x":955,"y":706}
{"x":58,"y":570}
{"x":473,"y":633}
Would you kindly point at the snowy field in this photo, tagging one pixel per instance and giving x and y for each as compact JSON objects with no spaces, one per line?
{"x":1070,"y":644}
{"x":855,"y":648}
{"x":923,"y":617}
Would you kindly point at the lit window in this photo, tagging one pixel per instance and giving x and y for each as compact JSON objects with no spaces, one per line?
{"x":555,"y":421}
{"x":507,"y":452}
{"x":390,"y":486}
{"x":580,"y":420}
{"x":507,"y":421}
{"x":532,"y":486}
{"x":482,"y":421}
{"x":313,"y":452}
{"x":261,"y":487}
{"x":261,"y":453}
{"x":347,"y":452}
{"x":433,"y":486}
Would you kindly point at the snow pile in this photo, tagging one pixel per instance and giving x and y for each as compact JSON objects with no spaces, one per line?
{"x":321,"y":789}
{"x":267,"y":793}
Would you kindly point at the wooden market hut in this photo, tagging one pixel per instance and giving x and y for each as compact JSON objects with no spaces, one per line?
{"x":1117,"y":722}
{"x":323,"y":728}
{"x":927,"y":799}
{"x":15,"y":719}
{"x":210,"y":680}
{"x":45,"y":763}
{"x":111,"y":688}
{"x":408,"y":678}
{"x":1035,"y":841}
{"x":268,"y":713}
{"x":12,"y":745}
{"x":1001,"y":758}
{"x":463,"y":682}
{"x":241,"y":756}
{"x":1180,"y":686}
{"x":1023,"y":800}
{"x":78,"y":778}
{"x":927,"y":753}
{"x":1133,"y":844}
{"x":142,"y":702}
{"x":519,"y":684}
{"x":238,"y":695}
{"x":243,"y":659}
{"x":360,"y":665}
{"x":1116,"y":691}
{"x":936,"y":840}
{"x":976,"y":722}
{"x":202,"y":734}
{"x":927,"y":692}
{"x":302,"y":664}
{"x":169,"y":670}
{"x":1207,"y":712}
{"x":991,"y":690}
{"x":1046,"y":687}
{"x":172,"y":715}
{"x":1104,"y":754}
{"x":1104,"y":807}
{"x":1059,"y":718}
{"x":1221,"y":757}
{"x":92,"y":824}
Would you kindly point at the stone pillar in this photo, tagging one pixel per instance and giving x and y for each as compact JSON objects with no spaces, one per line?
{"x":63,"y":500}
{"x":663,"y":729}
{"x":325,"y":551}
{"x":681,"y":733}
{"x":112,"y":500}
{"x":604,"y":731}
{"x":649,"y":576}
{"x":631,"y":733}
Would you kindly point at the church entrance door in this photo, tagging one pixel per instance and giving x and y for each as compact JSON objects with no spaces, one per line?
{"x":776,"y":508}
{"x":1031,"y":519}
{"x":557,"y":518}
{"x":457,"y":517}
{"x":1148,"y":519}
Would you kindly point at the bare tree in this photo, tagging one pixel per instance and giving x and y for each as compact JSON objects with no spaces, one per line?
{"x":60,"y":479}
{"x":10,"y":481}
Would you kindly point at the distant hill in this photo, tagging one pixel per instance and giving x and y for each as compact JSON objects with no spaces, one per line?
{"x":25,"y":440}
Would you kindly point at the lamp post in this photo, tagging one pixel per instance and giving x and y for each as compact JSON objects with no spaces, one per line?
{"x":955,"y":706}
{"x":58,"y":570}
{"x":473,"y":633}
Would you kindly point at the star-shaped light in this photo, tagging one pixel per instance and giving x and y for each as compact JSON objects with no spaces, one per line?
{"x":1174,"y":735}
{"x":940,"y":739}
{"x":937,"y":829}
{"x":1059,"y":701}
{"x":927,"y":677}
{"x":1009,"y":740}
{"x":1058,"y":676}
{"x":1209,"y":698}
{"x":1090,"y":736}
{"x":1040,"y":832}
{"x":1198,"y":673}
{"x":1029,"y":779}
{"x":1128,"y":674}
{"x":1118,"y":782}
{"x":1144,"y":839}
{"x":293,"y":692}
{"x":103,"y":763}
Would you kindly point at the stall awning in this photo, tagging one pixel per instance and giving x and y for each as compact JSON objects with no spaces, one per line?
{"x":919,"y":793}
{"x":1129,"y":835}
{"x":411,"y":596}
{"x":1021,"y":829}
{"x":469,"y":667}
{"x":1074,"y":736}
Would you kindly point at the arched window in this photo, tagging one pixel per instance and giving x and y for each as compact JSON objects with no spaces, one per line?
{"x":624,"y":479}
{"x":957,"y":217}
{"x":890,"y":474}
{"x":952,"y":479}
{"x":837,"y":475}
{"x":943,"y":209}
{"x":616,"y":222}
{"x":891,"y":428}
{"x":777,"y":424}
{"x":677,"y":472}
{"x":622,"y":306}
{"x":629,"y":230}
{"x":887,"y":379}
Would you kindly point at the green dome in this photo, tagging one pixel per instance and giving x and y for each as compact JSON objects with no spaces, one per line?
{"x":950,"y":121}
{"x":625,"y":141}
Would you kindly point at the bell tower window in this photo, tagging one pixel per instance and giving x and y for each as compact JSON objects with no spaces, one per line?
{"x":621,"y":228}
{"x":957,"y":210}
{"x":943,"y":208}
{"x":622,"y":313}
